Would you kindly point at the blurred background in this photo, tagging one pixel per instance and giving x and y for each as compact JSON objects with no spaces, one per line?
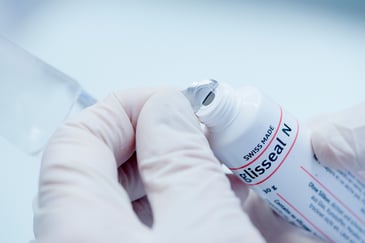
{"x":309,"y":56}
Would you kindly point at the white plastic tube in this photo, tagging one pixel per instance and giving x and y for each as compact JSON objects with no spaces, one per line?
{"x":271,"y":151}
{"x":34,"y":98}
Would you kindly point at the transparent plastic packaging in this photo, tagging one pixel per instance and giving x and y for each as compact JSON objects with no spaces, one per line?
{"x":34,"y":98}
{"x":268,"y":149}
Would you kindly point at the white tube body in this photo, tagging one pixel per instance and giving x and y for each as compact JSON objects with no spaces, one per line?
{"x":271,"y":151}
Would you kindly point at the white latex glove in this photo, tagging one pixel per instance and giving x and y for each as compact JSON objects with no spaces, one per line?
{"x":80,"y":196}
{"x":339,"y":139}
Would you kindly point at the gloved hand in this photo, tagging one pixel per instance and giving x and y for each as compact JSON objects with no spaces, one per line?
{"x":87,"y":160}
{"x":339,"y":139}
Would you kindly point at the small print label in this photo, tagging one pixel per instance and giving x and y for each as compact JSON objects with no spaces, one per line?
{"x":280,"y":166}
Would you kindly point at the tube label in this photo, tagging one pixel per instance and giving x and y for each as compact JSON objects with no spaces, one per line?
{"x":276,"y":145}
{"x":276,"y":159}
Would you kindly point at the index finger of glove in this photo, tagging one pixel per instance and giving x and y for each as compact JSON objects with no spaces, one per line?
{"x":79,"y":168}
{"x":184,"y":181}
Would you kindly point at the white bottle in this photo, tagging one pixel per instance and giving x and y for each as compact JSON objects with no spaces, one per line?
{"x":270,"y":151}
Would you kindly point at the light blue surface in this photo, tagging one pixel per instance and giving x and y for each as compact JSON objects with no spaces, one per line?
{"x":310,"y":58}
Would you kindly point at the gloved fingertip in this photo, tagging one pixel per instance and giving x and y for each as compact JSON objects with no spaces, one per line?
{"x":174,"y":100}
{"x":170,"y":107}
{"x":167,"y":124}
{"x":174,"y":154}
{"x":331,"y":146}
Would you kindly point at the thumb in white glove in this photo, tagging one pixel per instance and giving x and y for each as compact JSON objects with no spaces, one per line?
{"x":190,"y":195}
{"x":80,"y":198}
